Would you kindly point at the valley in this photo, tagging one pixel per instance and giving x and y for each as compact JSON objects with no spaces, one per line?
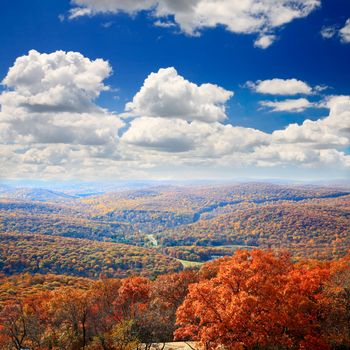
{"x":163,"y":228}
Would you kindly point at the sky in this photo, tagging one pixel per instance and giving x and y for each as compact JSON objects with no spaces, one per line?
{"x":174,"y":89}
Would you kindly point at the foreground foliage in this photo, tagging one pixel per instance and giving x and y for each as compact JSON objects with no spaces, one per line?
{"x":260,"y":299}
{"x":253,"y":300}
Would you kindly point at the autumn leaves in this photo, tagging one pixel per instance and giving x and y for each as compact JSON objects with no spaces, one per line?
{"x":253,"y":300}
{"x":261,"y":299}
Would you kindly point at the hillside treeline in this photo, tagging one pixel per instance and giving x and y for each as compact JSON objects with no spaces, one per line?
{"x":79,"y":257}
{"x":314,"y":228}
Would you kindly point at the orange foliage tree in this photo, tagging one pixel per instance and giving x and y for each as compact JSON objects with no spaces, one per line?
{"x":253,"y":300}
{"x":256,"y":299}
{"x":336,"y":305}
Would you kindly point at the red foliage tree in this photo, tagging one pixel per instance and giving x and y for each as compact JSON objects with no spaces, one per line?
{"x":256,"y":299}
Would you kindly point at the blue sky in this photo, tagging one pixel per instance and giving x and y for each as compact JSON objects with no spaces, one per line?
{"x":134,"y":47}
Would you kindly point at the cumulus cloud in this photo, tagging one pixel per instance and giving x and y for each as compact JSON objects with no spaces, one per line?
{"x":174,"y":115}
{"x":68,"y":128}
{"x":56,"y":82}
{"x":316,"y":134}
{"x":237,"y":16}
{"x":280,"y":87}
{"x":289,"y":105}
{"x":48,"y":102}
{"x":330,"y":132}
{"x":298,"y":156}
{"x":199,"y":138}
{"x":311,"y":144}
{"x":166,"y":94}
{"x":175,"y":126}
{"x":228,"y":139}
{"x":161,"y":134}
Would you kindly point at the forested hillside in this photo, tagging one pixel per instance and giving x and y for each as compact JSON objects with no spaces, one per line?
{"x":24,"y":286}
{"x":196,"y":223}
{"x":79,"y":257}
{"x":70,"y":219}
{"x":318,"y":228}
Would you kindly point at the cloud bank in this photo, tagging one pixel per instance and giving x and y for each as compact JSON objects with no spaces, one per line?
{"x":52,"y":127}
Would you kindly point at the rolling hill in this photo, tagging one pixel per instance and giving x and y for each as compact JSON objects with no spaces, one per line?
{"x":79,"y":257}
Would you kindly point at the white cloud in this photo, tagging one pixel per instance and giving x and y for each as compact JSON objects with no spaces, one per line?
{"x":313,"y":144}
{"x":199,"y":138}
{"x":330,"y":132}
{"x":237,"y":16}
{"x":49,"y":99}
{"x":290,"y":105}
{"x":166,"y":94}
{"x":56,"y":82}
{"x":339,"y":116}
{"x":280,"y":87}
{"x":345,"y":32}
{"x":296,"y":156}
{"x":316,"y":134}
{"x":177,"y":128}
{"x":320,"y":88}
{"x":228,"y":139}
{"x":160,"y":134}
{"x":164,"y":24}
{"x":92,"y":7}
{"x":264,"y":41}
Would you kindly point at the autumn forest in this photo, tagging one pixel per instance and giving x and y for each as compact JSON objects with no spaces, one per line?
{"x":243,"y":266}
